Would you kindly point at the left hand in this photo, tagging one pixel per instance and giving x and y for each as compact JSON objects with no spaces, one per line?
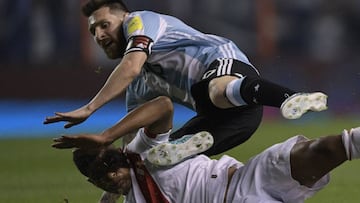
{"x":79,"y":141}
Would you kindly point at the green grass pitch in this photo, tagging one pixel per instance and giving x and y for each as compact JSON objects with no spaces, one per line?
{"x":31,"y":171}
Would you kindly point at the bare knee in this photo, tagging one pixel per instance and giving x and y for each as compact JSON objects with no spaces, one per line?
{"x":217,"y":87}
{"x":311,"y":160}
{"x":166,"y":104}
{"x":330,"y":147}
{"x":323,"y":147}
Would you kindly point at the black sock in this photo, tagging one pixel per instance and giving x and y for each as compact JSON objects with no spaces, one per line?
{"x":260,"y":91}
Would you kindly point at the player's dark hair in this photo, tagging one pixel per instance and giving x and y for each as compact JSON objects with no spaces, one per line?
{"x":83,"y":159}
{"x":96,"y":163}
{"x":93,"y":5}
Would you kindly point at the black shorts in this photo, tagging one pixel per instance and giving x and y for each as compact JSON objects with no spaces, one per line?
{"x":229,"y":127}
{"x":221,"y":67}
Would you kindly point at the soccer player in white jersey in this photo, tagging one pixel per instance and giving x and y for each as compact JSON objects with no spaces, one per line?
{"x":291,"y":171}
{"x":161,"y":55}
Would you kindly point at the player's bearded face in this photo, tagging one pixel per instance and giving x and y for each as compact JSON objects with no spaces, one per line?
{"x":107,"y":31}
{"x":115,"y":46}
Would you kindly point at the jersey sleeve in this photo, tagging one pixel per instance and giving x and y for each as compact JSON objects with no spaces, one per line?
{"x":141,"y":29}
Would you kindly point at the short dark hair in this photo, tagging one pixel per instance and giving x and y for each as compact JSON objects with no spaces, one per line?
{"x":93,"y":5}
{"x":96,"y":163}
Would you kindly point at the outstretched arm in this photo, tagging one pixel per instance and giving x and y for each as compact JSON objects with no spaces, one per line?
{"x":155,"y":115}
{"x":128,"y":69}
{"x":124,"y":73}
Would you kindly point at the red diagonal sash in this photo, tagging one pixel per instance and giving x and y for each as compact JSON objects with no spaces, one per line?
{"x":148,"y":187}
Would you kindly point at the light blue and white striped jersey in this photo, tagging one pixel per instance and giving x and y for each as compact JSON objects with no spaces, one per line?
{"x":180,"y":55}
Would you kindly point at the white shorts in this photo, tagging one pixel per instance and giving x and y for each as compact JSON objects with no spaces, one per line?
{"x":267,"y":178}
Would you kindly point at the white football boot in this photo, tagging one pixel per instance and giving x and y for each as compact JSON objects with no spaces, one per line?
{"x":171,"y":153}
{"x":298,"y":104}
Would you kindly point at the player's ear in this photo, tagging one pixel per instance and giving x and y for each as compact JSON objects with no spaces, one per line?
{"x":112,"y":174}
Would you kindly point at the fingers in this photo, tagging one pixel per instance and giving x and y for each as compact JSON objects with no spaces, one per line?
{"x":77,"y":141}
{"x":63,"y":142}
{"x":62,"y":117}
{"x":53,"y":119}
{"x":63,"y":145}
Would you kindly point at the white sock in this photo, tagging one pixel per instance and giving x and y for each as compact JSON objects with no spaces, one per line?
{"x":351,"y":141}
{"x":232,"y":92}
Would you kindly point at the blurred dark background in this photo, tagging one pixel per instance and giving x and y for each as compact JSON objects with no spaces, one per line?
{"x":49,"y":62}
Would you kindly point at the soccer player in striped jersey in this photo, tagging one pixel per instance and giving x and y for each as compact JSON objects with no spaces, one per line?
{"x":161,"y":55}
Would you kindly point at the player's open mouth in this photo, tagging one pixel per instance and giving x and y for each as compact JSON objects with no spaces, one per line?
{"x":107,"y":44}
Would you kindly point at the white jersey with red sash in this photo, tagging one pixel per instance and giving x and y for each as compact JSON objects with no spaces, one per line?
{"x":144,"y":188}
{"x":148,"y":187}
{"x":195,"y":180}
{"x":265,"y":178}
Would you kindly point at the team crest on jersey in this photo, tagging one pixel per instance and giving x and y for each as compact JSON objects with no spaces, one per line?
{"x":135,"y":25}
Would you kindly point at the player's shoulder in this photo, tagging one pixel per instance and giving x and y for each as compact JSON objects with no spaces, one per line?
{"x":144,"y":14}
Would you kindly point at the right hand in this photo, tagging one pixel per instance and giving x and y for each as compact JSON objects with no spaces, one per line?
{"x":72,"y":118}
